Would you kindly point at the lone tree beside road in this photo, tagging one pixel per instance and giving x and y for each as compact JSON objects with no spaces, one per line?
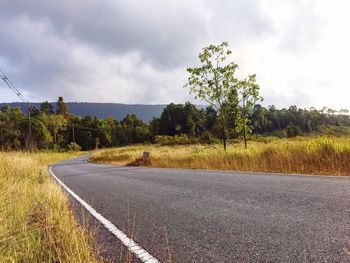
{"x":214,"y":81}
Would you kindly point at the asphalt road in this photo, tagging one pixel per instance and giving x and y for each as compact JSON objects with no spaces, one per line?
{"x":211,"y":216}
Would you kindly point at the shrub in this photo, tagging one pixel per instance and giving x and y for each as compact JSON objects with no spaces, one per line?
{"x":57,"y":148}
{"x":263,"y":139}
{"x":293,"y":131}
{"x":207,"y":138}
{"x":278,"y":134}
{"x":174,"y":140}
{"x":73,"y":147}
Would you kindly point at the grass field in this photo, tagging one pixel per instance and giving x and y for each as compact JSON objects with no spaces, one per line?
{"x":308,"y":155}
{"x":36,"y":224}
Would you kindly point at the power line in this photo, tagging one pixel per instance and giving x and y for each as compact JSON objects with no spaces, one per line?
{"x":12,"y":87}
{"x":82,"y":127}
{"x":24,"y":99}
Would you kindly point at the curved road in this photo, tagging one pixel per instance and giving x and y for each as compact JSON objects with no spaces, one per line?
{"x":211,"y":216}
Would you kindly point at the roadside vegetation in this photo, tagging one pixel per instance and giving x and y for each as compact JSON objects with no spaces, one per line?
{"x":36,"y":223}
{"x":307,"y":155}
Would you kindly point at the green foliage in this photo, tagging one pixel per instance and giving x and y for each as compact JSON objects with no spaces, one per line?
{"x":133,"y":130}
{"x":179,"y":119}
{"x":56,"y":124}
{"x":334,"y":130}
{"x":46,"y":108}
{"x":293,"y":130}
{"x":73,"y":147}
{"x":41,"y":137}
{"x":92,"y":132}
{"x":278,"y":133}
{"x":10,"y":132}
{"x":61,"y":107}
{"x":214,"y":81}
{"x":248,"y":95}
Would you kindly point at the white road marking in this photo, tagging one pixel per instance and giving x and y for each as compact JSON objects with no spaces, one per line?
{"x":130,"y":244}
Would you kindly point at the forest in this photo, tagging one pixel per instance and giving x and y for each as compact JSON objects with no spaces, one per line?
{"x":55,"y":128}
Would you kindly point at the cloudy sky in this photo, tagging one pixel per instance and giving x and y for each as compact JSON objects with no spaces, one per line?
{"x":137,"y":51}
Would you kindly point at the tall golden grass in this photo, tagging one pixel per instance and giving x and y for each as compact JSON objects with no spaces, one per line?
{"x":306,"y":155}
{"x":36,"y":224}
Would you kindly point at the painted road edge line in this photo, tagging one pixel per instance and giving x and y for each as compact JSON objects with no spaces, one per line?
{"x":130,"y":244}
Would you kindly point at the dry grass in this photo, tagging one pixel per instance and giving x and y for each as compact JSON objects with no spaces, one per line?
{"x":309,"y":155}
{"x":36,"y":224}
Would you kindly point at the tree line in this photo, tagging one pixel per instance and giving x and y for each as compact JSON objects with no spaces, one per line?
{"x":55,"y":128}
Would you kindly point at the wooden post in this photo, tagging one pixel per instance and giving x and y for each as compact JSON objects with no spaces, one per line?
{"x":146,"y":156}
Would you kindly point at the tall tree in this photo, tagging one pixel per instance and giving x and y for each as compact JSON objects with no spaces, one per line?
{"x":154,"y":127}
{"x":41,"y":137}
{"x":61,"y":107}
{"x":172,"y":120}
{"x":10,"y":132}
{"x":46,"y":107}
{"x":214,"y":79}
{"x":194,"y":123}
{"x":249,"y":96}
{"x":210,"y":117}
{"x":133,"y":130}
{"x":55,"y":123}
{"x":259,"y":119}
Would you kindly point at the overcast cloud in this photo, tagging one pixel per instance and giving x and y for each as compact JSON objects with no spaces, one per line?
{"x":137,"y":51}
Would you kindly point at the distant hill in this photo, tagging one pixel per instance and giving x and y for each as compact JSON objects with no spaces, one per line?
{"x":103,"y":110}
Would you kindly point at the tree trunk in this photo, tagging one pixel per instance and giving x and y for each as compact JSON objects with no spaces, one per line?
{"x":245,"y":136}
{"x":54,"y":137}
{"x":244,"y":127}
{"x":223,"y":125}
{"x":224,"y":135}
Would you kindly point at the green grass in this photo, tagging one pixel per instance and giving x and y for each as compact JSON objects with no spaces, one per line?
{"x":36,"y":223}
{"x":308,"y":155}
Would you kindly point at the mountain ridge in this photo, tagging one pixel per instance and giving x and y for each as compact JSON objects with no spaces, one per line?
{"x":102,"y":110}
